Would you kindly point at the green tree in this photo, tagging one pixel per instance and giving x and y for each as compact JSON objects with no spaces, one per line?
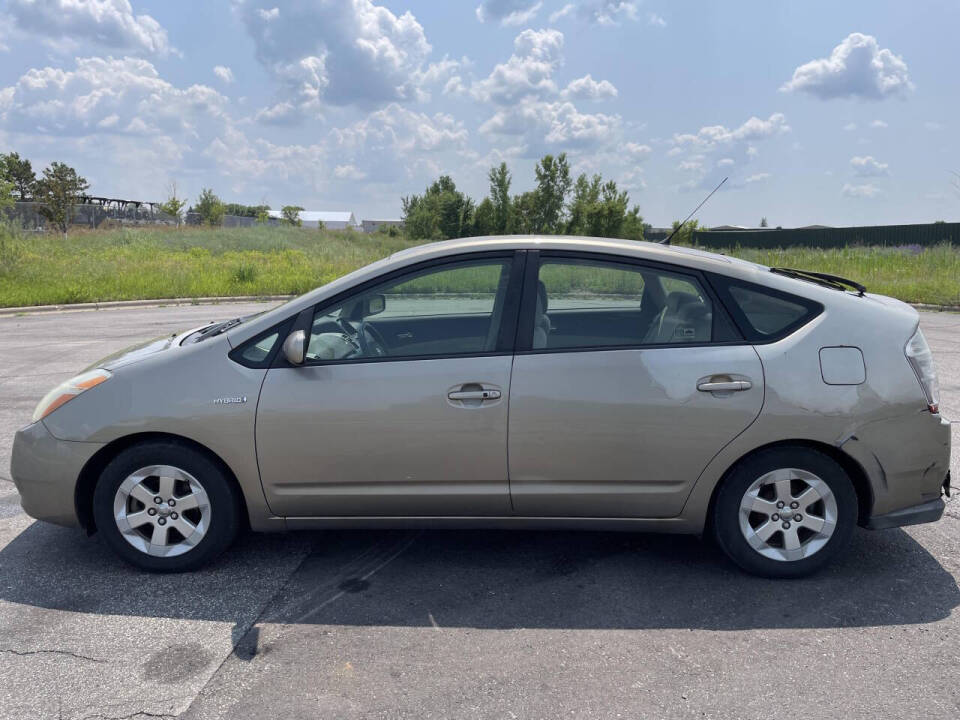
{"x":58,"y":191}
{"x":291,"y":215}
{"x":321,"y":225}
{"x":19,"y":172}
{"x":173,"y":205}
{"x":524,"y":213}
{"x":763,"y":222}
{"x":441,"y":212}
{"x":263,"y":215}
{"x":485,"y":218}
{"x":209,"y":207}
{"x":553,"y":185}
{"x":599,"y":209}
{"x":500,"y":179}
{"x":685,"y":236}
{"x":6,"y":197}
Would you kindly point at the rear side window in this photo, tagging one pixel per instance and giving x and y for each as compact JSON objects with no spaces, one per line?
{"x":764,"y":314}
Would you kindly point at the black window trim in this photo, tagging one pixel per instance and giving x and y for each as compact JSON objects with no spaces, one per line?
{"x":524,"y":344}
{"x":282,"y":328}
{"x":508,"y":322}
{"x":722,"y":284}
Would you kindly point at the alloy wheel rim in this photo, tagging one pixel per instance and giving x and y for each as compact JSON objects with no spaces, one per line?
{"x":162,"y":510}
{"x":788,"y":514}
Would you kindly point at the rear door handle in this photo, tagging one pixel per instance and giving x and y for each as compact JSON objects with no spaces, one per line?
{"x":724,"y":385}
{"x":474,"y":394}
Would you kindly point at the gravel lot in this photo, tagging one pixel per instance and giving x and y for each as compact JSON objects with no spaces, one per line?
{"x":457,"y":624}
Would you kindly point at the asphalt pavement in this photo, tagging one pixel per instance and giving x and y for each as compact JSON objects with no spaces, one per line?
{"x":457,"y":624}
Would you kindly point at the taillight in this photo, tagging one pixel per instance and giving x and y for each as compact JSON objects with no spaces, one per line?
{"x":921,"y":359}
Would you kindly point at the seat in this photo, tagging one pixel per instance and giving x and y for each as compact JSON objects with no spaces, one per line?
{"x":684,"y":318}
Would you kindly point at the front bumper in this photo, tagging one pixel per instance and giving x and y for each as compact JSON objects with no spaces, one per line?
{"x":45,"y":471}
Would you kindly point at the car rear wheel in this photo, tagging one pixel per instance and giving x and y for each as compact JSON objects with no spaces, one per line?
{"x":166,"y":507}
{"x":785,"y":512}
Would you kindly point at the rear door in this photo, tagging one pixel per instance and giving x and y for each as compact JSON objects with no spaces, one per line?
{"x":409,"y":420}
{"x":628,"y":379}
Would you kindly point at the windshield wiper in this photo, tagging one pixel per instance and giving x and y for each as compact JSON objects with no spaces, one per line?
{"x":214,"y":329}
{"x":832,"y":281}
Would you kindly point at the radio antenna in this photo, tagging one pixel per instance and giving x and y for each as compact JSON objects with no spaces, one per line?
{"x":687,"y":218}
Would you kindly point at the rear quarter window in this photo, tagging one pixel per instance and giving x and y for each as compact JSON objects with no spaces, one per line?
{"x":764,"y":314}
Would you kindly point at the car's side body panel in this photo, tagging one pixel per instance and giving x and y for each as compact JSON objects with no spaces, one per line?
{"x":622,"y":433}
{"x":382,"y":438}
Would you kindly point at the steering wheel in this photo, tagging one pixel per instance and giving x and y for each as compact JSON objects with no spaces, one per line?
{"x":368,"y":339}
{"x":371,"y":341}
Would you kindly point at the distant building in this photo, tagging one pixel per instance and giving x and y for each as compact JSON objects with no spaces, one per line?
{"x":332,"y":220}
{"x":371,"y":226}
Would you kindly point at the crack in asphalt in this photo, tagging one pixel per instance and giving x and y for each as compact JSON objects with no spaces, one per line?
{"x":131,"y":716}
{"x":24,"y":653}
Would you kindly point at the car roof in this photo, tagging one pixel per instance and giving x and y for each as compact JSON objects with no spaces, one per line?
{"x":686,"y":256}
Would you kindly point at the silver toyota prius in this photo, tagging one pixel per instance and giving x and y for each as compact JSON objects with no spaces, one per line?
{"x":511,"y":382}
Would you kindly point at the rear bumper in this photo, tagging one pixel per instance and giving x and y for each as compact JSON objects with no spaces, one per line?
{"x":930,"y":511}
{"x":45,"y":471}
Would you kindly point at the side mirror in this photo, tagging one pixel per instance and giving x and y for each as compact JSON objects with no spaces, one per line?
{"x":374,"y":305}
{"x":295,"y":347}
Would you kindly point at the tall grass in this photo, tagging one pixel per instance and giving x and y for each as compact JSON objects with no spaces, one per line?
{"x":156,"y":263}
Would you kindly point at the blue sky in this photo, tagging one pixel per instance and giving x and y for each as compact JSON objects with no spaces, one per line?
{"x":820,"y":112}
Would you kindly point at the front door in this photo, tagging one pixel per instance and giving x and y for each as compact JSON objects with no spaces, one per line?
{"x":632,"y":382}
{"x":401,"y":406}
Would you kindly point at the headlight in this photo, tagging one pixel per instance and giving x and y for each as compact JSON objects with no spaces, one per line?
{"x":920,"y":357}
{"x":65,"y":392}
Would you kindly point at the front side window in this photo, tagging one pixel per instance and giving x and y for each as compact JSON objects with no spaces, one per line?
{"x":595,"y":304}
{"x":452,"y":309}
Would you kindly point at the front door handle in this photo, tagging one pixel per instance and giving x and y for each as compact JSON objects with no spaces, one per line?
{"x":474,"y":395}
{"x":712,"y":385}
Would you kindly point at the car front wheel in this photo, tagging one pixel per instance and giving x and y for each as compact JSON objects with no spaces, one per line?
{"x":165,"y":507}
{"x":785,"y":512}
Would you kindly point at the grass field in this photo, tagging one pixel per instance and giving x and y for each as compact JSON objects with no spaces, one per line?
{"x":136,"y":263}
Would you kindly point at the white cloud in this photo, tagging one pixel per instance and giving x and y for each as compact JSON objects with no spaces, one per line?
{"x":224,"y":73}
{"x":608,"y":12}
{"x":348,"y":172}
{"x":656,"y":20}
{"x":932,"y":125}
{"x":553,"y":125}
{"x":758,"y":177}
{"x":563,"y":12}
{"x":349,"y":52}
{"x":726,"y":162}
{"x":867,"y":166}
{"x":508,"y":12}
{"x":878,"y":124}
{"x":850,"y":126}
{"x":586,"y":88}
{"x":528,"y":72}
{"x":711,"y":136}
{"x":636,"y":151}
{"x":268,"y":15}
{"x":108,"y":23}
{"x":108,"y":93}
{"x":857,"y":68}
{"x":868,"y":190}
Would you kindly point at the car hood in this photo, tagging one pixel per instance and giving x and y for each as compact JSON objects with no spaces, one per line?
{"x":141,"y":351}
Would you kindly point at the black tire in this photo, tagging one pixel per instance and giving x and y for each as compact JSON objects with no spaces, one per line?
{"x":224,"y":500}
{"x":726,"y":510}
